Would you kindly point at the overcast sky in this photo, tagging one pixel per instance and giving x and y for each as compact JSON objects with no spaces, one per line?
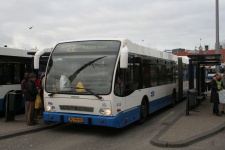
{"x":161,"y":24}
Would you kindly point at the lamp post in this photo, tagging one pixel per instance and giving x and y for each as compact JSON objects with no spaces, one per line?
{"x":217,"y":51}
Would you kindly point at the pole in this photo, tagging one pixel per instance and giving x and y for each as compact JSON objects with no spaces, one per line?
{"x":217,"y":33}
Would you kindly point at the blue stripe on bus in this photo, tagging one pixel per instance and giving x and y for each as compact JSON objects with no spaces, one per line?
{"x":159,"y":103}
{"x":118,"y":121}
{"x":88,"y":119}
{"x":1,"y":104}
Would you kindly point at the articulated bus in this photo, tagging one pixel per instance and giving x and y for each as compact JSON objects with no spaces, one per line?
{"x":110,"y":82}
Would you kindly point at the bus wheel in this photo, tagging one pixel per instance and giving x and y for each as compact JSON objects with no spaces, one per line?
{"x":143,"y":111}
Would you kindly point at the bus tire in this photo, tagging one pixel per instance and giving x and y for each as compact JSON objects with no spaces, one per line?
{"x":174,"y":98}
{"x":143,"y":111}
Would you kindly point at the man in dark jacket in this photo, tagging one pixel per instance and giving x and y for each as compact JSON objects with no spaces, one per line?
{"x":216,"y":85}
{"x":31,"y":93}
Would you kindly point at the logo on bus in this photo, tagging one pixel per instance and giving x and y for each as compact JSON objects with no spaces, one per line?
{"x":104,"y":105}
{"x":152,"y":93}
{"x":50,"y":103}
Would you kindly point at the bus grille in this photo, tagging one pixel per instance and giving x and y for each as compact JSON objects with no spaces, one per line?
{"x":76,"y":108}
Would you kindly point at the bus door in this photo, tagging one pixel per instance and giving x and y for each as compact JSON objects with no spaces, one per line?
{"x":132,"y":78}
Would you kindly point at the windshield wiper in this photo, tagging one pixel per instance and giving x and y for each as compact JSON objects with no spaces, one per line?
{"x":74,"y":75}
{"x":93,"y":93}
{"x":52,"y":93}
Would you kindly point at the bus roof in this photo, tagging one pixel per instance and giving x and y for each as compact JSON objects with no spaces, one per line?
{"x":185,"y":59}
{"x":5,"y":51}
{"x":135,"y":48}
{"x":146,"y":51}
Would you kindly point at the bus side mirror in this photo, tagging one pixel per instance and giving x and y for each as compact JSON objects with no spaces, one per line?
{"x":124,"y":58}
{"x":36,"y":61}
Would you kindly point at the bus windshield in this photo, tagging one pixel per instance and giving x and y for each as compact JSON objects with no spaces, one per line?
{"x":81,"y":67}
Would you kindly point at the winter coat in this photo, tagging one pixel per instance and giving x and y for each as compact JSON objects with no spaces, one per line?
{"x":31,"y":91}
{"x":214,"y":98}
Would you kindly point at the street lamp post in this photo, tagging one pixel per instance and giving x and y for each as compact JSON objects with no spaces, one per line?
{"x":217,"y":33}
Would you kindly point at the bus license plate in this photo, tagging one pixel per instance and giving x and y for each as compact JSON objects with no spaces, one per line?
{"x":79,"y":120}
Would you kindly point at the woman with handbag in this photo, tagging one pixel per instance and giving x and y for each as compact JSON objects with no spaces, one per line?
{"x":216,"y":85}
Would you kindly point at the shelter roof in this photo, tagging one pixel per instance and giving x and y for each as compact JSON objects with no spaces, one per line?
{"x":207,"y":59}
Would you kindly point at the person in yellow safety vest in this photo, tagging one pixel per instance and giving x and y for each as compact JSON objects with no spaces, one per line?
{"x":216,"y":85}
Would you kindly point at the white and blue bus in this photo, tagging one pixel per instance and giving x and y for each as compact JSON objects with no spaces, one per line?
{"x":13,"y":64}
{"x":112,"y":82}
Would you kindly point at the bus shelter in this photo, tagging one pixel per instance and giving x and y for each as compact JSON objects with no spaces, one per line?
{"x":197,"y":73}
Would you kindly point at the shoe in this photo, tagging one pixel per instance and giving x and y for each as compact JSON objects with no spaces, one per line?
{"x":218,"y":114}
{"x":222,"y":112}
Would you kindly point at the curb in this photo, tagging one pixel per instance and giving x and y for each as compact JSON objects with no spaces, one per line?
{"x":26,"y":131}
{"x":191,"y":140}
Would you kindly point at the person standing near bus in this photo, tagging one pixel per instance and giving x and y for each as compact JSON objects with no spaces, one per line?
{"x":31,"y":93}
{"x":223,"y":105}
{"x":23,"y":89}
{"x":216,"y":85}
{"x":39,"y":111}
{"x":42,"y":78}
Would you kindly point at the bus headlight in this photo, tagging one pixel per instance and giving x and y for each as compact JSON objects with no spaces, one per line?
{"x":47,"y":108}
{"x":105,"y":111}
{"x":50,"y":108}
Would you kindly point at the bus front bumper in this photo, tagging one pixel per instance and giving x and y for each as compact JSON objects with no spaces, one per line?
{"x":110,"y":121}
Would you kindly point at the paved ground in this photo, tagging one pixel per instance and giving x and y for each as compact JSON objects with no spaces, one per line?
{"x":185,"y":130}
{"x":19,"y":127}
{"x":182,"y":131}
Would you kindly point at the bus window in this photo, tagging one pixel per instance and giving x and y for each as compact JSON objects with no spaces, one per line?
{"x":154,"y":72}
{"x":145,"y":74}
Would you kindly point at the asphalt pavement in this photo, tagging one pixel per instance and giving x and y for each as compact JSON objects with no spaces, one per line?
{"x":19,"y":126}
{"x":183,"y":131}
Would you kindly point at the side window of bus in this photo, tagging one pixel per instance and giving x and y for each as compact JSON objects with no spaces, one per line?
{"x":162,"y":75}
{"x":169,"y":70}
{"x":1,"y":74}
{"x":154,"y":75}
{"x":146,"y":74}
{"x":16,"y":75}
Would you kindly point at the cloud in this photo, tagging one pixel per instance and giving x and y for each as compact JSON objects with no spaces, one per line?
{"x":162,"y":24}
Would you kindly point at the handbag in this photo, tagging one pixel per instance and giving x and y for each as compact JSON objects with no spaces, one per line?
{"x":38,"y":103}
{"x":222,"y":96}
